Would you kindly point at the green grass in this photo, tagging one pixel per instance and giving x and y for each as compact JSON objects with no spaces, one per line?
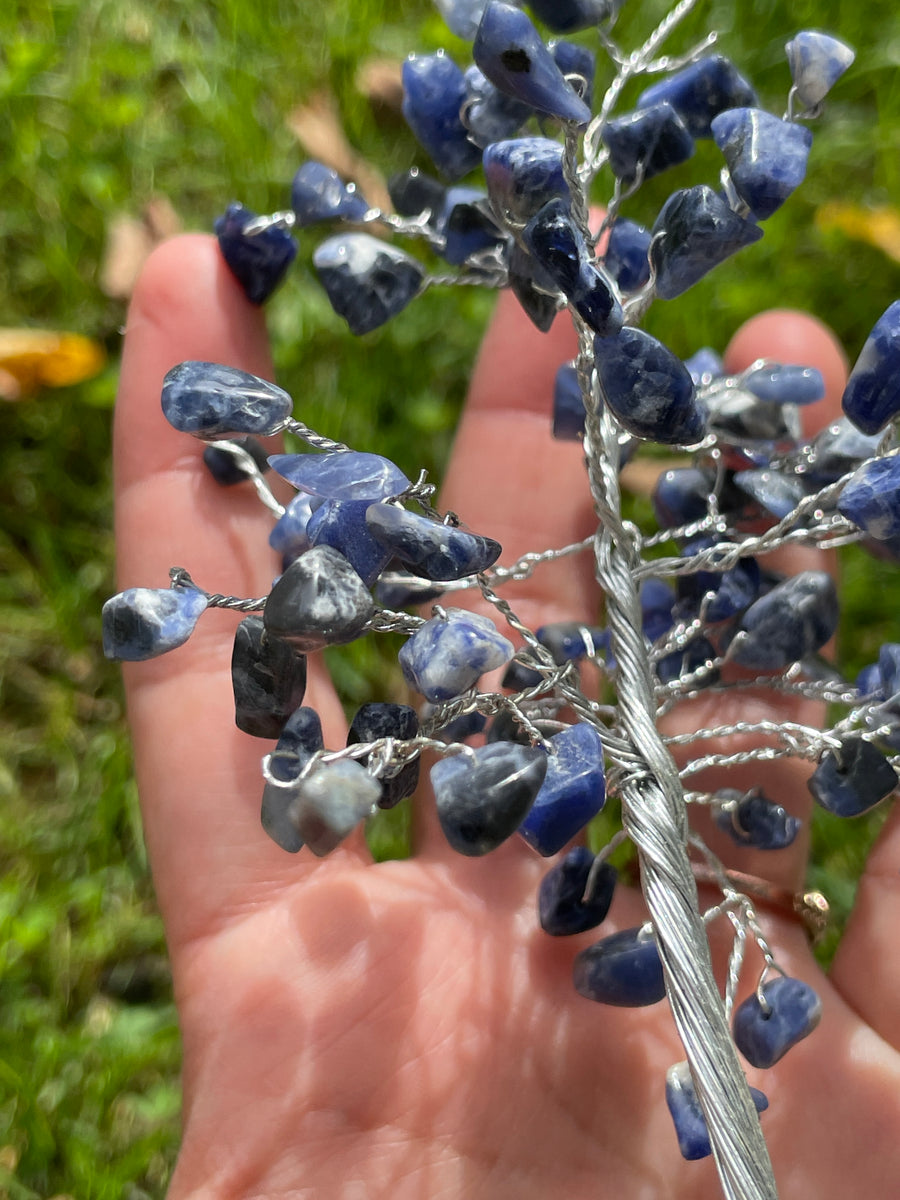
{"x":103,"y":106}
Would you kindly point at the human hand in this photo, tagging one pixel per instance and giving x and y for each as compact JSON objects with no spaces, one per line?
{"x":354,"y":1030}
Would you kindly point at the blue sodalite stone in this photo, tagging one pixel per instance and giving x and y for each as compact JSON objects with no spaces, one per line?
{"x":694,"y":232}
{"x":258,"y":261}
{"x":568,"y":405}
{"x":506,"y":728}
{"x":462,"y":16}
{"x":342,"y":524}
{"x":557,"y":244}
{"x":751,"y":819}
{"x":731,"y":591}
{"x":648,"y":388}
{"x":460,"y":728}
{"x":319,"y":194}
{"x":268,"y":678}
{"x":509,"y":51}
{"x":681,"y":496}
{"x":777,"y":493}
{"x":889,"y":668}
{"x":394,"y":592}
{"x":446,"y":656}
{"x":817,"y":61}
{"x":342,"y":475}
{"x":434,"y":92}
{"x":568,"y":16}
{"x":466,"y":225}
{"x":576,"y":60}
{"x":482,"y":797}
{"x":537,"y":294}
{"x":211,"y":401}
{"x":368,"y":281}
{"x":687,"y":1115}
{"x":227,"y":468}
{"x":766,"y":157}
{"x":142,"y":623}
{"x":518,"y":677}
{"x":330,"y":802}
{"x":289,"y":537}
{"x":626,"y":255}
{"x":374,"y":721}
{"x":852,"y":781}
{"x":697,"y":654}
{"x":872,"y":395}
{"x":868,"y":683}
{"x":701,"y":91}
{"x":318,"y":601}
{"x":705,"y":366}
{"x":765,"y":1034}
{"x":871,"y":498}
{"x":431,"y":548}
{"x":300,"y":739}
{"x":623,"y":969}
{"x":837,"y":450}
{"x":522,"y":175}
{"x":412,"y":192}
{"x":785,"y":384}
{"x":573,"y":791}
{"x":796,"y":618}
{"x":650,"y":140}
{"x":489,"y":114}
{"x":562,"y":907}
{"x":569,"y":641}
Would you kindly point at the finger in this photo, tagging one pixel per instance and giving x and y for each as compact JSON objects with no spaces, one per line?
{"x":199,"y":776}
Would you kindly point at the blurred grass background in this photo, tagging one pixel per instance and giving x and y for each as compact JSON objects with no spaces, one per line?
{"x":105,"y":106}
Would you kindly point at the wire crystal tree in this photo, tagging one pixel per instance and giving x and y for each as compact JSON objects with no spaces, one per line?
{"x":363,"y":544}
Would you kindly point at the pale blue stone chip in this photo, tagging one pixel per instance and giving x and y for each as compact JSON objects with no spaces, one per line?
{"x":817,"y":62}
{"x":142,"y":623}
{"x":447,"y":655}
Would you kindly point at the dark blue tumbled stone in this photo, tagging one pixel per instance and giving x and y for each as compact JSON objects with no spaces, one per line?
{"x":623,"y":969}
{"x":681,"y":496}
{"x":568,"y":16}
{"x":557,"y":244}
{"x":318,"y":601}
{"x":538,"y":295}
{"x":751,"y":819}
{"x":483,"y":797}
{"x":776,"y":492}
{"x":258,"y":261}
{"x":569,"y":641}
{"x":375,"y":721}
{"x":573,"y":791}
{"x":342,"y":524}
{"x":509,"y":51}
{"x":889,"y":668}
{"x":730,"y":592}
{"x":141,"y":623}
{"x":868,"y":682}
{"x":368,"y":281}
{"x":448,"y":654}
{"x":766,"y":157}
{"x":522,"y":175}
{"x":871,"y":498}
{"x":268,"y":677}
{"x":764,"y":1034}
{"x":694,"y":232}
{"x":648,"y":388}
{"x":394,"y":592}
{"x":837,"y":450}
{"x":650,"y":140}
{"x":466,"y":225}
{"x":796,"y":618}
{"x":412,"y":192}
{"x":460,"y":728}
{"x":573,"y":59}
{"x":687,"y":1115}
{"x":657,"y":601}
{"x":489,"y":114}
{"x":344,"y":475}
{"x":300,"y":739}
{"x":701,"y":91}
{"x":431,"y":548}
{"x":705,"y":366}
{"x":289,"y":537}
{"x":872,"y":395}
{"x":817,"y":61}
{"x":211,"y":401}
{"x":227,"y":468}
{"x":518,"y":677}
{"x":434,"y":91}
{"x":852,"y":781}
{"x":785,"y":384}
{"x":319,"y":194}
{"x":562,"y":907}
{"x":568,"y":405}
{"x":505,"y":727}
{"x":626,"y":255}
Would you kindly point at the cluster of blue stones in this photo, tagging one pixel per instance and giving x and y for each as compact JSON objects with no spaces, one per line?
{"x":361,"y":541}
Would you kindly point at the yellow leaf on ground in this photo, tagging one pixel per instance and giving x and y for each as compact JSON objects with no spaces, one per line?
{"x":34,"y":358}
{"x":879,"y":227}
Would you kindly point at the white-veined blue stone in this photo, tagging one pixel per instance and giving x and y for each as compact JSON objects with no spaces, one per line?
{"x":766,"y":156}
{"x":573,"y":791}
{"x":348,"y":475}
{"x":142,"y":623}
{"x":211,"y":400}
{"x":368,"y":281}
{"x":872,"y":395}
{"x":817,"y":62}
{"x":871,"y":498}
{"x":447,"y":655}
{"x":433,"y":549}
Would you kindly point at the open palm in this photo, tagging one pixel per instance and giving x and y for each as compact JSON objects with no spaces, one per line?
{"x":358,"y":1030}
